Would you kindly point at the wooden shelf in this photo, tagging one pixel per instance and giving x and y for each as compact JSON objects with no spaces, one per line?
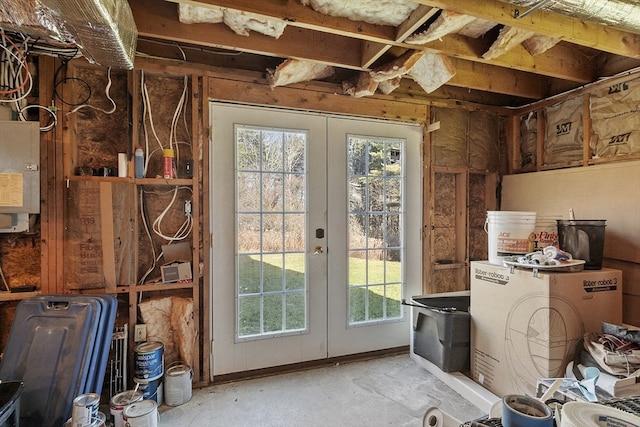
{"x":154,"y":287}
{"x":17,"y":296}
{"x":163,"y":181}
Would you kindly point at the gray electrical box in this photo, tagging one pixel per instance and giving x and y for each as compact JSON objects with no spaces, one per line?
{"x":19,"y":174}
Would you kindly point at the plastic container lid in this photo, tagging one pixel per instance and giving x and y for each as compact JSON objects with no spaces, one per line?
{"x":167,"y":152}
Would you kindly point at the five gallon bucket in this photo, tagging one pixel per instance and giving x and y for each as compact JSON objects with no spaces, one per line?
{"x":177,"y":381}
{"x":546,"y":231}
{"x":510,"y":233}
{"x":583,"y":239}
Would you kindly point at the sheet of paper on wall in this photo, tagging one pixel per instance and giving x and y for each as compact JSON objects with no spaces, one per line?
{"x":177,"y":263}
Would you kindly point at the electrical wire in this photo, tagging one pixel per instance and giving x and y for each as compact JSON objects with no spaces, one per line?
{"x":106,"y":92}
{"x":181,"y":233}
{"x":21,"y":86}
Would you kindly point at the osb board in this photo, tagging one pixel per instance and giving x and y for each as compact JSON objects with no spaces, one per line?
{"x":447,"y":280}
{"x":99,"y":136}
{"x":444,"y":244}
{"x":483,"y":141}
{"x":477,"y":216}
{"x":20,"y":260}
{"x":83,"y":243}
{"x":157,"y":199}
{"x":449,"y":144}
{"x":444,"y":200}
{"x":164,"y":93}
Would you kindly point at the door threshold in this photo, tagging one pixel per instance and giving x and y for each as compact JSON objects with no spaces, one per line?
{"x":312,"y":364}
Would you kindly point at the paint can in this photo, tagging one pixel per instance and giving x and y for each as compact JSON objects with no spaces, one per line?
{"x":151,"y":390}
{"x":177,"y":381}
{"x":100,"y":420}
{"x":121,"y":401}
{"x":85,"y":409}
{"x":149,"y":360}
{"x":141,"y":414}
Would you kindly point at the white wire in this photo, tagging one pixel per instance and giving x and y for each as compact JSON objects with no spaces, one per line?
{"x":47,"y":128}
{"x":106,"y":91}
{"x":182,"y":232}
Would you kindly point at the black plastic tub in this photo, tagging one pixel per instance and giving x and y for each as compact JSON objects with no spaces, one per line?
{"x":441,"y":330}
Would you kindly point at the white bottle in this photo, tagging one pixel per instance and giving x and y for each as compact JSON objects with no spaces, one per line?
{"x":139,"y":162}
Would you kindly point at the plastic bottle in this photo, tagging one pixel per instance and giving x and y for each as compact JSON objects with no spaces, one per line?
{"x":168,"y":163}
{"x":139,"y":162}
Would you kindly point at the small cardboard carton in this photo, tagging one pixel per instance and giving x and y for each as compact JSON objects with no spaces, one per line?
{"x":177,"y":266}
{"x":524,"y":326}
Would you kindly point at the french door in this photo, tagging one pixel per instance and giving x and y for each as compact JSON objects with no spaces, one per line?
{"x":316,"y":235}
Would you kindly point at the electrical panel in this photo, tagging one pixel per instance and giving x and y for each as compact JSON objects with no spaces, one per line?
{"x":19,"y":174}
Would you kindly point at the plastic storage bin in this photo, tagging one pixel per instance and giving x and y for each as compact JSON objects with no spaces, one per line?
{"x":441,"y":330}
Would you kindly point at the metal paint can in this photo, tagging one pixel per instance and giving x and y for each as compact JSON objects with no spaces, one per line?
{"x":149,"y":360}
{"x":177,"y":381}
{"x":85,"y":409}
{"x":100,"y":420}
{"x":151,"y":390}
{"x":121,"y":401}
{"x":141,"y":414}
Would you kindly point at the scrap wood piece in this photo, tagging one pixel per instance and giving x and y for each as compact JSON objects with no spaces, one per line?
{"x":390,"y":85}
{"x":539,"y":44}
{"x":295,"y":71}
{"x":447,"y":22}
{"x":398,"y":67}
{"x":508,"y":38}
{"x":362,"y":85}
{"x":432,"y":71}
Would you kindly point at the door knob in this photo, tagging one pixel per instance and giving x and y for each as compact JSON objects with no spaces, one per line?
{"x":318,"y":250}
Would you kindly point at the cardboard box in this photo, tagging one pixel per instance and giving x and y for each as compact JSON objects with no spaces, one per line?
{"x":177,"y":266}
{"x":525,"y":327}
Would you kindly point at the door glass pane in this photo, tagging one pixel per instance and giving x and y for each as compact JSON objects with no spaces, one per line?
{"x":270,"y":230}
{"x":375,"y":194}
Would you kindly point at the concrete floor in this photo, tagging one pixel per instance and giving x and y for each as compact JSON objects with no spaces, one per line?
{"x":391,"y":390}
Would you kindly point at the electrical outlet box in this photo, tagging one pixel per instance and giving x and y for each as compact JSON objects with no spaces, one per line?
{"x":140,"y":333}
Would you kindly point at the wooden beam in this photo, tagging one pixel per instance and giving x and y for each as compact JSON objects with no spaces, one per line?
{"x":602,"y":37}
{"x":160,"y":20}
{"x":296,"y":97}
{"x":496,"y":79}
{"x":562,"y":61}
{"x":295,"y":14}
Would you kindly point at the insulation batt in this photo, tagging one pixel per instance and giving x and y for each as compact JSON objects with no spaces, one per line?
{"x":398,"y":67}
{"x":382,"y":12}
{"x":240,"y":22}
{"x":170,"y":321}
{"x":507,"y":39}
{"x":447,"y":22}
{"x":432,"y":71}
{"x":295,"y":71}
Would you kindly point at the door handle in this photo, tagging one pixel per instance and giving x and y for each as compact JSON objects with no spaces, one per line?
{"x":318,"y":250}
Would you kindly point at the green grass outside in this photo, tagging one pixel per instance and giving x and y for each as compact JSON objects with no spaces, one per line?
{"x":366,"y":304}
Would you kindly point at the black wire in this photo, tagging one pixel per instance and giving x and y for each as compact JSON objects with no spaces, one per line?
{"x":66,"y":79}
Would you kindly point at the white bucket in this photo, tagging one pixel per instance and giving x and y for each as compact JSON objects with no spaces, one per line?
{"x":177,"y":381}
{"x":510,"y":233}
{"x":546,"y":231}
{"x":141,"y":414}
